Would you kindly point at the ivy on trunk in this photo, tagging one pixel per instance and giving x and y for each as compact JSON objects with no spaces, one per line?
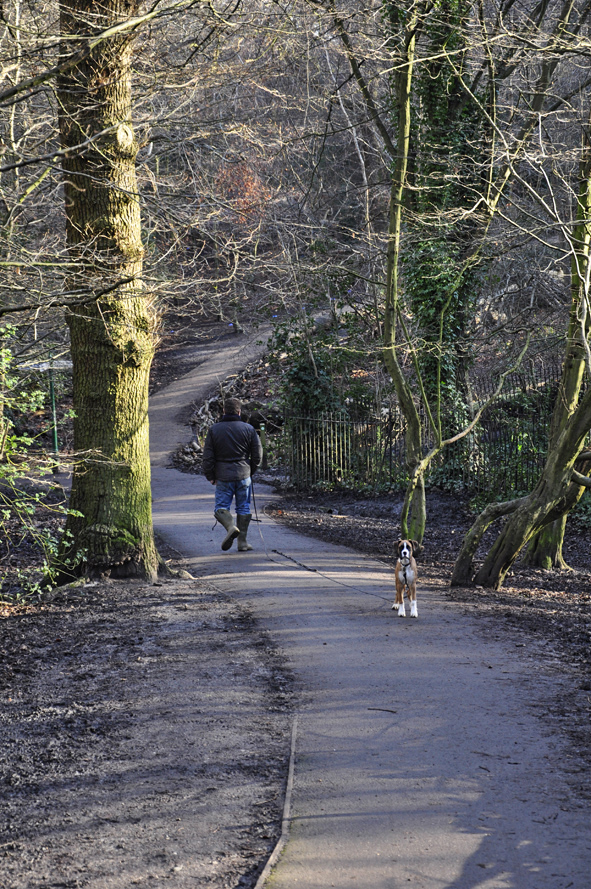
{"x":539,"y":519}
{"x":112,"y":324}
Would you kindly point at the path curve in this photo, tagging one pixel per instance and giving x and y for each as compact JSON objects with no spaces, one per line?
{"x":423,"y":754}
{"x":215,"y":361}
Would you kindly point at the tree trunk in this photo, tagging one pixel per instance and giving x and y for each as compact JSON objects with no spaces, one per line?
{"x":413,"y":517}
{"x":541,"y":508}
{"x":463,"y":568}
{"x":553,"y":497}
{"x":112,"y":329}
{"x":414,"y":514}
{"x":545,"y":550}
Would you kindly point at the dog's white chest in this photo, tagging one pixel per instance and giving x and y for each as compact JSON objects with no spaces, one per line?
{"x":406,"y":575}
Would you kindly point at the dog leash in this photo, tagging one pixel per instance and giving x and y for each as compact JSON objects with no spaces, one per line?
{"x":278,"y":552}
{"x":259,"y":523}
{"x":347,"y":586}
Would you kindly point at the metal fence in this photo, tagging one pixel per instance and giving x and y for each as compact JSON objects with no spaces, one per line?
{"x":503,"y":455}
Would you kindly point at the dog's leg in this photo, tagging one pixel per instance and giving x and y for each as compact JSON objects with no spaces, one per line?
{"x":399,"y":601}
{"x":400,"y":607}
{"x":413,"y":608}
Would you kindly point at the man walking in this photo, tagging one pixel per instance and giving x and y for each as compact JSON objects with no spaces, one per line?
{"x":231,"y":454}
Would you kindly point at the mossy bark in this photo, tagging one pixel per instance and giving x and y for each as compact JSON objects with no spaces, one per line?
{"x":541,"y":520}
{"x":414,"y":513}
{"x":553,"y":497}
{"x":463,"y":568}
{"x":545,"y":550}
{"x":112,"y":323}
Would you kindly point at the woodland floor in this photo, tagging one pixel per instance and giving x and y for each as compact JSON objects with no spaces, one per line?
{"x":75,"y":665}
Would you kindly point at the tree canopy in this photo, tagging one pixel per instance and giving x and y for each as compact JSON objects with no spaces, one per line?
{"x":420,"y":169}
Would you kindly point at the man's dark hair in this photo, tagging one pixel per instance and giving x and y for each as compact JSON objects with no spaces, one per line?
{"x":232,"y":406}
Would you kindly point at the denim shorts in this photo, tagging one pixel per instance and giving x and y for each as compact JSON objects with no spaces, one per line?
{"x":225,"y":491}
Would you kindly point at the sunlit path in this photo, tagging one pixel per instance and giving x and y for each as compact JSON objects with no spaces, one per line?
{"x":420,"y":759}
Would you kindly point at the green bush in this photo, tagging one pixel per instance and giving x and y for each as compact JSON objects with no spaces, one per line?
{"x":32,"y":505}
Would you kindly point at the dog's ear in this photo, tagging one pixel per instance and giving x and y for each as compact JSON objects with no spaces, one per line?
{"x":417,"y":549}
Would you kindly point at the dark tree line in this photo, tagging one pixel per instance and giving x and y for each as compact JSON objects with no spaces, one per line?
{"x":420,"y":167}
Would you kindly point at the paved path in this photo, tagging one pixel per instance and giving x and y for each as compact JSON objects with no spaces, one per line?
{"x":170,"y":407}
{"x":421,"y":758}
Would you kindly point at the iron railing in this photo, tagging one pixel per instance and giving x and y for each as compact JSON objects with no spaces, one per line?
{"x":503,"y":455}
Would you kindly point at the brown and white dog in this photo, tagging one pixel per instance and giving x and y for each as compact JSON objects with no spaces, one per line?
{"x":406,"y":577}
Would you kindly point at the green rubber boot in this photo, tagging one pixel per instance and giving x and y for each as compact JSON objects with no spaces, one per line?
{"x":243,"y":521}
{"x":224,"y":517}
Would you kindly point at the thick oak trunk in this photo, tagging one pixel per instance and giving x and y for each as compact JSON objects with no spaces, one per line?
{"x":112,"y":335}
{"x":463,"y":569}
{"x":542,"y":508}
{"x":541,"y":518}
{"x":553,"y":497}
{"x":545,"y":550}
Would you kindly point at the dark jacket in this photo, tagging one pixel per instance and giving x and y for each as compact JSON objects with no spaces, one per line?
{"x":232,"y":450}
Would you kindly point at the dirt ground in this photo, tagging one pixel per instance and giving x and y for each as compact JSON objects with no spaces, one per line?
{"x":145,"y":738}
{"x":145,"y":729}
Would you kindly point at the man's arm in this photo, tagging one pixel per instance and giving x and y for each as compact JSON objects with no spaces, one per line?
{"x":256,"y":452}
{"x":209,"y":458}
